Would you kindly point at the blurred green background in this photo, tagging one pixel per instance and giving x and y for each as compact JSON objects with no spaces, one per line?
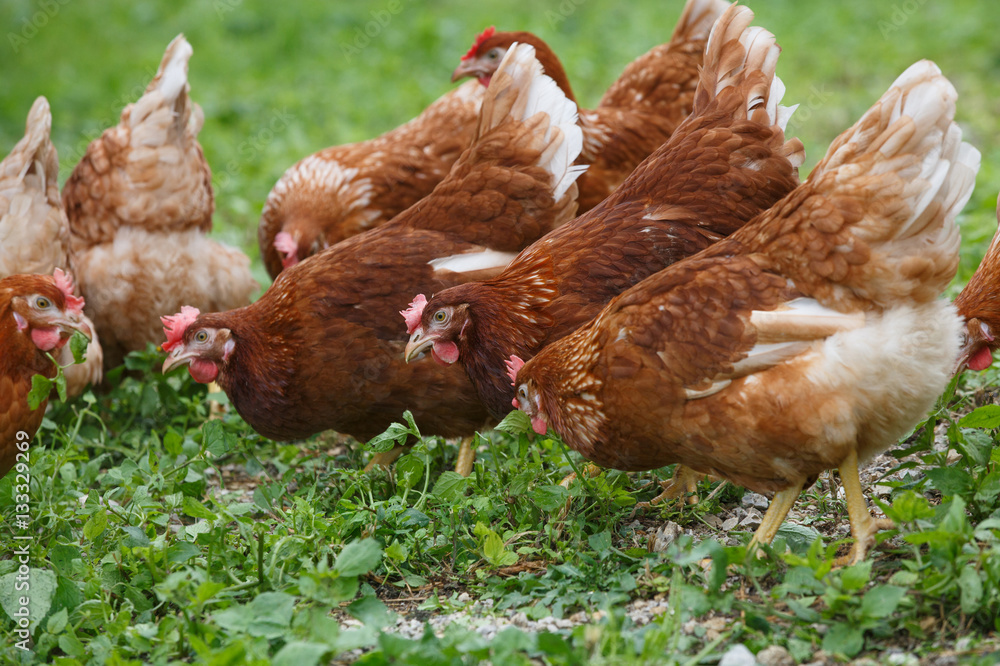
{"x":278,"y":81}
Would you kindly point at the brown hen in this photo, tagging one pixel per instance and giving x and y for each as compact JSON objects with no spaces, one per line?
{"x":638,"y":112}
{"x":322,"y":348}
{"x":812,"y":338}
{"x":979,"y":303}
{"x":722,"y":166}
{"x":34,"y":231}
{"x":344,"y":190}
{"x":38,"y":314}
{"x":139,"y":205}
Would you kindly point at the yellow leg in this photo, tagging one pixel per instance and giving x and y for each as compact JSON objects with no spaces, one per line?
{"x":775,"y":515}
{"x":384,"y":458}
{"x":466,"y":457}
{"x":863,"y":526}
{"x":683,"y":484}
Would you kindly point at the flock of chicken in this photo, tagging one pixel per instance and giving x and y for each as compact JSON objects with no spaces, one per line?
{"x":705,"y":307}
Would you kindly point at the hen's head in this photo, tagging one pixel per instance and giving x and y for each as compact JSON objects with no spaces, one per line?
{"x":44,"y":308}
{"x":979,"y":342}
{"x":528,"y":398}
{"x":483,"y":59}
{"x":194,"y":341}
{"x":288,"y":248}
{"x":437,"y":325}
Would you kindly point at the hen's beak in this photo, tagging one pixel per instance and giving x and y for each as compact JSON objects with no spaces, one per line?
{"x":468,"y":68}
{"x":178,"y":357}
{"x":69,"y":323}
{"x":418,"y":344}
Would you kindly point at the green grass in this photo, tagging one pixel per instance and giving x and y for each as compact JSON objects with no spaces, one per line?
{"x":159,"y":538}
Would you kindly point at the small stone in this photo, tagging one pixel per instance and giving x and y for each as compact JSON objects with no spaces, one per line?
{"x":738,"y":655}
{"x":755,"y":500}
{"x":464,"y":598}
{"x":664,"y":536}
{"x":713,"y":521}
{"x":753,"y":519}
{"x":730,"y":523}
{"x":775,"y":655}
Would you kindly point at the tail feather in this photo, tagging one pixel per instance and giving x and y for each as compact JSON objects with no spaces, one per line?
{"x":876,"y":219}
{"x":741,"y":60}
{"x":519,"y":90}
{"x":697,"y":18}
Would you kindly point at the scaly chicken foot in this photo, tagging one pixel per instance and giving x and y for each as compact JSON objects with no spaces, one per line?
{"x":776,"y":514}
{"x":863,"y":526}
{"x":466,"y":457}
{"x":385,"y":458}
{"x":682,"y":485}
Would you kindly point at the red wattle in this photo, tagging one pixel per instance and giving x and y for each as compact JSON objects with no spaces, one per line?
{"x":203,"y":371}
{"x":981,"y":360}
{"x":539,"y":425}
{"x":444,"y":353}
{"x":47,"y":339}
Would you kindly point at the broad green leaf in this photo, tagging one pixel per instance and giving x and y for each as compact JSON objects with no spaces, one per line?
{"x":600,"y":542}
{"x":57,"y":622}
{"x":134,"y":537}
{"x":844,"y":639}
{"x":882,"y":600}
{"x":950,"y":480}
{"x":267,"y":616}
{"x":41,"y":386}
{"x":549,"y":498}
{"x":495,"y":552}
{"x":42,"y":587}
{"x":196,"y":509}
{"x":450,"y":486}
{"x":78,"y":346}
{"x":908,"y":507}
{"x":217,"y":441}
{"x":95,"y":525}
{"x":300,"y":653}
{"x":358,"y":558}
{"x":409,"y":470}
{"x":971,"y":586}
{"x":371,"y":611}
{"x":987,"y":416}
{"x":515,"y":423}
{"x":181,"y":552}
{"x":855,"y":576}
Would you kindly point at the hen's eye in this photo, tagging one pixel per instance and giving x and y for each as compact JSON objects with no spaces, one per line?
{"x":493,"y":55}
{"x":42,"y":303}
{"x":201,"y":336}
{"x":522,"y":393}
{"x":440,"y":316}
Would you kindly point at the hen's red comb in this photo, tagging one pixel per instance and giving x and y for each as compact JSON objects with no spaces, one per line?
{"x":64,"y":281}
{"x":513,"y":366}
{"x":285,"y":244}
{"x":175,"y":325}
{"x":413,"y":313}
{"x":483,"y":36}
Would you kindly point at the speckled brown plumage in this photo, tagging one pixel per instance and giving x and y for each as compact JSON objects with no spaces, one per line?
{"x":638,"y":112}
{"x":979,"y":303}
{"x":21,"y":358}
{"x":344,"y":190}
{"x":812,"y":338}
{"x":721,"y":167}
{"x":323,"y":347}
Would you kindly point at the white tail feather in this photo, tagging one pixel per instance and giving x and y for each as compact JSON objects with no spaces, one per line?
{"x":538,"y":93}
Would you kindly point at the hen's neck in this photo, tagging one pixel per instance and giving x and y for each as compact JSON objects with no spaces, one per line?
{"x":500,"y":326}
